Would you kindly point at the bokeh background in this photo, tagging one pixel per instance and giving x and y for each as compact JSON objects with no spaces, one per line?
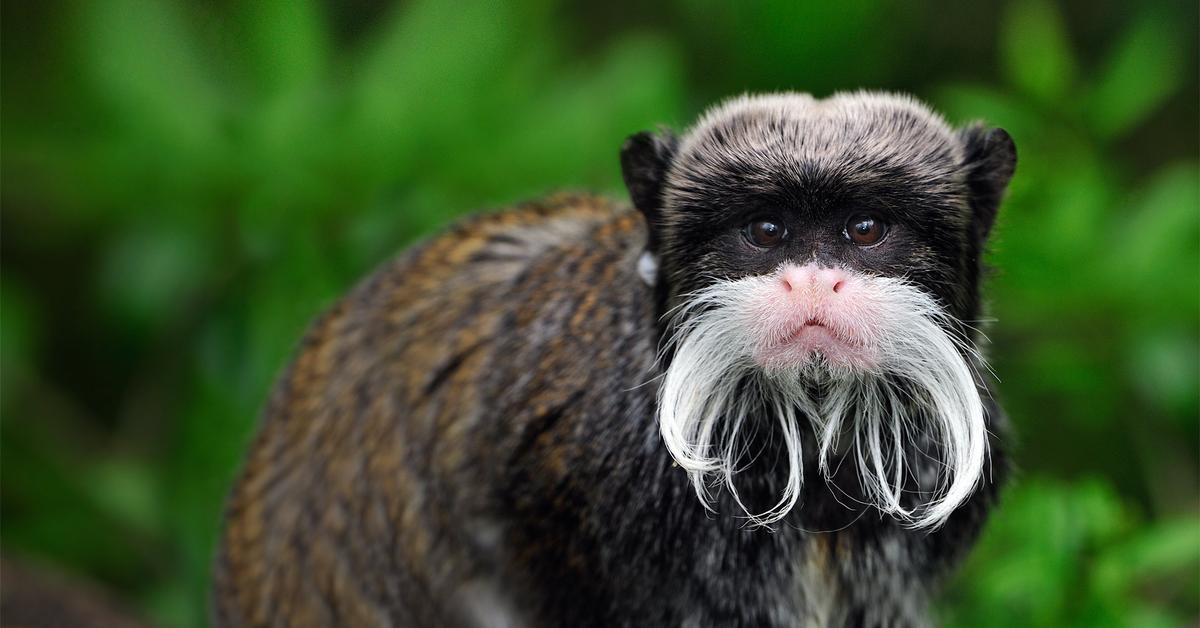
{"x":185,"y":185}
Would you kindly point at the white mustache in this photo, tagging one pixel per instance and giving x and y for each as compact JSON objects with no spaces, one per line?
{"x":921,"y":390}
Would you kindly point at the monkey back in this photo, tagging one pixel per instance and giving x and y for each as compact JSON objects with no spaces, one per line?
{"x":423,"y":408}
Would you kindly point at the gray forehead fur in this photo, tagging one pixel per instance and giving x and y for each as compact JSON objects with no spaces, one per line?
{"x":853,"y":135}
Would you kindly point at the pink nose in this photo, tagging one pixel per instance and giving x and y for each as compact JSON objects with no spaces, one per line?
{"x":813,"y":278}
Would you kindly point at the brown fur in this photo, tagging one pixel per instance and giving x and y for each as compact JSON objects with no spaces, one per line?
{"x":370,"y":441}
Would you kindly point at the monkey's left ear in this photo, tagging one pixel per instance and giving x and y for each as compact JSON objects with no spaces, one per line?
{"x":991,"y":159}
{"x":645,"y":158}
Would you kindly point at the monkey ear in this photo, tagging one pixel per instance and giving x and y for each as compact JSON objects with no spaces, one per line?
{"x":991,"y":159}
{"x":645,"y":158}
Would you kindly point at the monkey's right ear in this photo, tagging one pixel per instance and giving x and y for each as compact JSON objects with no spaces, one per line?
{"x":991,"y":160}
{"x":645,"y":158}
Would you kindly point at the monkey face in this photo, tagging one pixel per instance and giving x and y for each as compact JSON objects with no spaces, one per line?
{"x":820,"y":172}
{"x":826,"y":252}
{"x":824,"y":197}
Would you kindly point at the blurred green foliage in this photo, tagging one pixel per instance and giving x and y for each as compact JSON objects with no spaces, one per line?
{"x":185,"y":185}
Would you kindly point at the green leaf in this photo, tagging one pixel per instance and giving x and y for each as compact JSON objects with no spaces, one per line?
{"x":1037,"y":56}
{"x":427,"y":70}
{"x":1142,"y":71}
{"x":149,"y":272}
{"x":1033,"y":557}
{"x":562,"y":137}
{"x":157,"y":103}
{"x":19,"y":332}
{"x":1158,"y":237}
{"x":1164,"y":367}
{"x":1167,"y":548}
{"x":126,"y":491}
{"x":146,"y":63}
{"x":287,"y":46}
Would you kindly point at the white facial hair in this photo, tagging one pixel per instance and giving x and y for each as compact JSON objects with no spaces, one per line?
{"x":920,"y":387}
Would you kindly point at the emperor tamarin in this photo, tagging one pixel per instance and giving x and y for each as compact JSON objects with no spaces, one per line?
{"x":754,"y":398}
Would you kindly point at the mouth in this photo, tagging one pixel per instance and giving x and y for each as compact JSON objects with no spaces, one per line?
{"x":813,"y":337}
{"x":812,"y":329}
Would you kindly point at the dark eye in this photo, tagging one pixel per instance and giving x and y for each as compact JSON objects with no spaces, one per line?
{"x":765,"y":232}
{"x":865,"y":229}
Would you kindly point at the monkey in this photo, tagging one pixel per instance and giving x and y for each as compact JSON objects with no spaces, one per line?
{"x":753,"y":396}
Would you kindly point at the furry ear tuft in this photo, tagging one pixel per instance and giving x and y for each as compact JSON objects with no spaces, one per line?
{"x":991,"y":160}
{"x":645,"y":158}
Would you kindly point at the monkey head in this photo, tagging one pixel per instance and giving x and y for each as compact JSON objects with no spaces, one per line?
{"x":819,"y":260}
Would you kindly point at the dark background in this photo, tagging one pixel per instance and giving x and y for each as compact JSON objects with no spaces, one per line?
{"x":185,"y":185}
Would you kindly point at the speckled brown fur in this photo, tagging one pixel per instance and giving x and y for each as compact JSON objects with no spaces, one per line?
{"x":379,"y":439}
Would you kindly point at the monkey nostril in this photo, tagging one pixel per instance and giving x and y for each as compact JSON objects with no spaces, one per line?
{"x":837,"y":287}
{"x":787,"y":285}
